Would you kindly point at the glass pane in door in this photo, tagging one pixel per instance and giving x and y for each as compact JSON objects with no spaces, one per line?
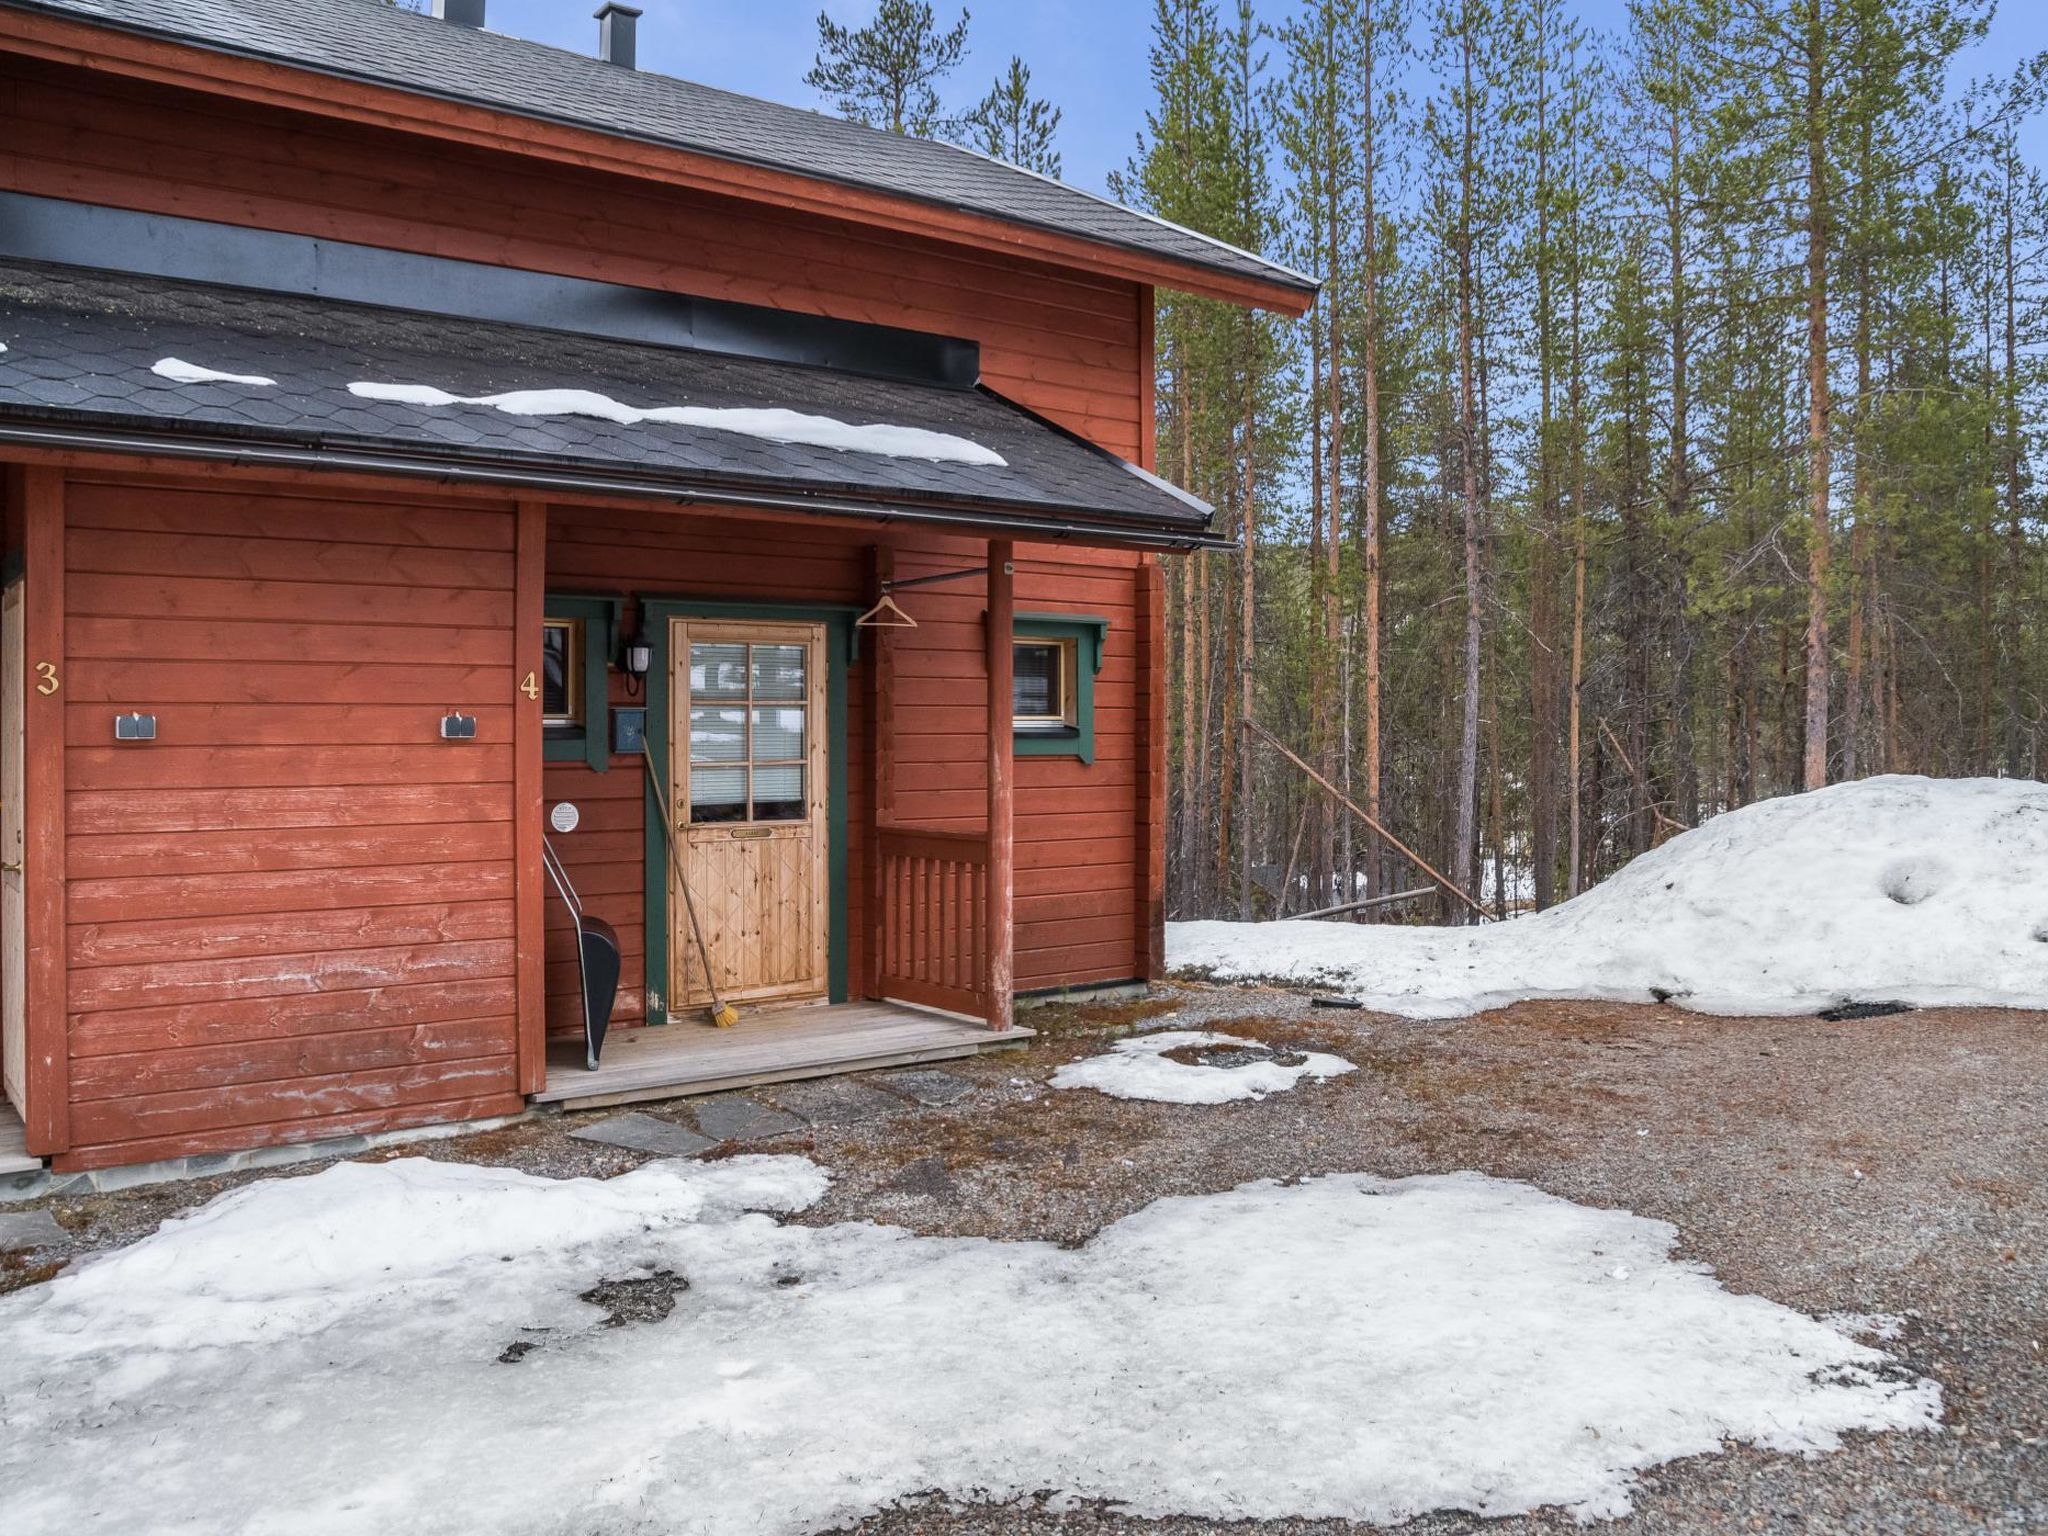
{"x":779,"y":671}
{"x":717,"y":735}
{"x":779,"y":793}
{"x":778,"y":734}
{"x":718,"y":670}
{"x":718,"y":794}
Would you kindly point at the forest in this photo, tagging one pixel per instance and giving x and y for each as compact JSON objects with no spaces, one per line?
{"x":1662,"y":440}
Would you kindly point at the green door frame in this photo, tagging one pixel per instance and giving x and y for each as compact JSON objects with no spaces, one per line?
{"x":842,"y":649}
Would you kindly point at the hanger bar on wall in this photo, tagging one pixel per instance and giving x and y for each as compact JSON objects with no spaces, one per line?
{"x":886,"y":615}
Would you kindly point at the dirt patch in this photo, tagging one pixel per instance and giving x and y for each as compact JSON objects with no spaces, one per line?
{"x":1059,"y":1021}
{"x":641,"y":1299}
{"x":19,"y":1270}
{"x":1230,"y":1055}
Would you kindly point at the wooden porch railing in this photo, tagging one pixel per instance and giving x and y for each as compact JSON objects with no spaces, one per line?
{"x":935,"y":919}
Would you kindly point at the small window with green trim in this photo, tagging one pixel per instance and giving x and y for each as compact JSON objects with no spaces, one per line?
{"x":562,"y":705}
{"x":1042,"y":686}
{"x":1054,"y":659}
{"x":575,"y":659}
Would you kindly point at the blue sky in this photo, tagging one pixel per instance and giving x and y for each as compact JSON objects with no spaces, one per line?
{"x":1088,"y":56}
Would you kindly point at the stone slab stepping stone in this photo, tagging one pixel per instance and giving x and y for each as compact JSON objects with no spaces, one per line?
{"x":928,"y":1086}
{"x":646,"y":1133}
{"x":837,"y":1101}
{"x":927,"y":1176}
{"x":743,"y":1120}
{"x":30,"y":1229}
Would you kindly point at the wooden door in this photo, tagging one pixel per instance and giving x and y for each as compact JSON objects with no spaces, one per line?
{"x":748,"y":705}
{"x":13,"y":906}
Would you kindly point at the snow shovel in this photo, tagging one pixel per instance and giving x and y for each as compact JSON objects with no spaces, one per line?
{"x":597,"y":957}
{"x":723,"y":1014}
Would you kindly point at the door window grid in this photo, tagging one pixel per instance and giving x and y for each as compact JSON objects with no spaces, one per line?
{"x":749,"y":731}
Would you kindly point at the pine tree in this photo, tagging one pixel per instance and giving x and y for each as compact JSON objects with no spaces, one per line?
{"x":1012,"y":125}
{"x":886,"y":74}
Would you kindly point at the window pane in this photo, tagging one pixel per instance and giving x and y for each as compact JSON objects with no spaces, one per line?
{"x":718,"y":735}
{"x":718,"y":671}
{"x":561,"y":695}
{"x":778,"y":671}
{"x":778,"y":734}
{"x":1035,"y":690}
{"x":718,"y":794}
{"x":779,"y":794}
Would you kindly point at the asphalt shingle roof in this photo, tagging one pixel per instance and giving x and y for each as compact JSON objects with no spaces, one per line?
{"x":81,"y":346}
{"x":369,"y":40}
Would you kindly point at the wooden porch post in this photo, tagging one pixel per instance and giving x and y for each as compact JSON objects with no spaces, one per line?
{"x":45,"y":1022}
{"x":528,"y":796}
{"x":1002,"y":881}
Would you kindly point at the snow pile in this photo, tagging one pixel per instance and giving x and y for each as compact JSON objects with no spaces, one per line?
{"x":1140,"y":1068}
{"x":179,"y":371}
{"x":331,"y":1354}
{"x":1925,"y":891}
{"x":775,"y":424}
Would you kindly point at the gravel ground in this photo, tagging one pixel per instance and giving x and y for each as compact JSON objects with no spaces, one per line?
{"x":1884,"y":1165}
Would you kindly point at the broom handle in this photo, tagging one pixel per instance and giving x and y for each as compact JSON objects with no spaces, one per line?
{"x":675,"y":859}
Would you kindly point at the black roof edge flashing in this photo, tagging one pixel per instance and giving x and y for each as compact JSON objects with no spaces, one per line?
{"x":449,"y":467}
{"x":197,"y":250}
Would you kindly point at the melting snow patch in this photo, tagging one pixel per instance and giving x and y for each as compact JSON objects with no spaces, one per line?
{"x":1927,"y":892}
{"x":179,"y":371}
{"x":1144,"y":1067}
{"x":775,"y":424}
{"x":1345,"y":1347}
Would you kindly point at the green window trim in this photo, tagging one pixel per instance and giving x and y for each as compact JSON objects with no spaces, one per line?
{"x":842,"y":649}
{"x":591,"y":745}
{"x":1089,"y":637}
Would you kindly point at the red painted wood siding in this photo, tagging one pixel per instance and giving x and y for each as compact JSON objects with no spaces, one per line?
{"x":1070,"y":345}
{"x":291,"y":916}
{"x":1076,"y":823}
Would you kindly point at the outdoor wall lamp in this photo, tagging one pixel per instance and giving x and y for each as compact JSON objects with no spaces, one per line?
{"x":635,"y":657}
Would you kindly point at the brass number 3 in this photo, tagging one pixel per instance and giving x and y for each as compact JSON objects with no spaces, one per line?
{"x":46,"y":672}
{"x":530,"y":688}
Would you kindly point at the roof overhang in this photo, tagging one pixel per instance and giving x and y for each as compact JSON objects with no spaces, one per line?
{"x":446,"y":467}
{"x":165,"y":58}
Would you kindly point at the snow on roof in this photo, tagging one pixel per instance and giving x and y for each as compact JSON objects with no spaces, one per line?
{"x":775,"y":423}
{"x":1924,"y":891}
{"x":1345,"y":1346}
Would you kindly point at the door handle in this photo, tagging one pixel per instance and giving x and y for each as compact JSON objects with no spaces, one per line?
{"x":9,"y":869}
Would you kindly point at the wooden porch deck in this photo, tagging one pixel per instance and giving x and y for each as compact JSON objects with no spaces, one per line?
{"x":14,"y":1156}
{"x":671,"y":1061}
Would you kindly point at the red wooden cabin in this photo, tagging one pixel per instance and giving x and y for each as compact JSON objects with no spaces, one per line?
{"x":380,"y":393}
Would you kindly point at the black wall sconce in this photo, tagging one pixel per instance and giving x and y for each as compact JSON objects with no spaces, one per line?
{"x":635,"y":657}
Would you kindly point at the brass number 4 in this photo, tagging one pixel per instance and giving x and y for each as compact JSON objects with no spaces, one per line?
{"x":46,"y":673}
{"x":530,"y":687}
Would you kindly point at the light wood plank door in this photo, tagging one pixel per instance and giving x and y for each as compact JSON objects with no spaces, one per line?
{"x":13,"y":902}
{"x":748,"y":706}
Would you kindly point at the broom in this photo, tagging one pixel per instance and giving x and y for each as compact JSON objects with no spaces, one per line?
{"x":723,"y":1014}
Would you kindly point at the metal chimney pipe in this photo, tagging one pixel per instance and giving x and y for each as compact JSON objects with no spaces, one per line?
{"x":616,"y":25}
{"x":462,"y":13}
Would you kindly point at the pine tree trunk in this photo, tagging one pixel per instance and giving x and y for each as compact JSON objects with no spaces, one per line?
{"x":1247,"y":628}
{"x":1468,"y":444}
{"x":1371,"y":382}
{"x":1819,"y":531}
